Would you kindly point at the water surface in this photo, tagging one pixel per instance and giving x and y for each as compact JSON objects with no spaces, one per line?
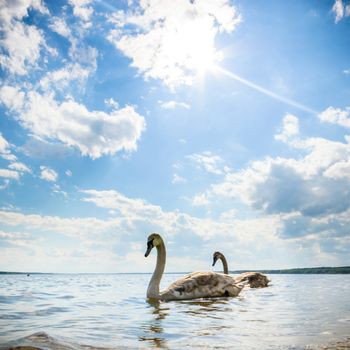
{"x":110,"y":311}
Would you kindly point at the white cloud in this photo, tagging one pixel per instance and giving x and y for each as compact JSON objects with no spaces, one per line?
{"x":172,"y":41}
{"x":139,"y":212}
{"x":286,"y":184}
{"x":10,"y":174}
{"x":173,"y":105}
{"x":290,"y":128}
{"x":82,"y":10}
{"x":48,"y":174}
{"x":20,"y":167}
{"x":340,"y":10}
{"x":229,"y":215}
{"x":178,"y":179}
{"x":12,"y":97}
{"x":61,"y":78}
{"x":110,"y":102}
{"x":67,"y":226}
{"x":37,"y":147}
{"x":210,"y":162}
{"x":93,"y":133}
{"x":21,"y":43}
{"x":21,"y":239}
{"x":339,"y":170}
{"x":5,"y":149}
{"x":336,"y":116}
{"x":200,"y":200}
{"x":57,"y":189}
{"x":60,"y":26}
{"x":314,"y":187}
{"x":18,"y":9}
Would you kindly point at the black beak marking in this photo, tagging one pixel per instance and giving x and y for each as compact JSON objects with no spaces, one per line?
{"x":149,"y":247}
{"x":214,"y":260}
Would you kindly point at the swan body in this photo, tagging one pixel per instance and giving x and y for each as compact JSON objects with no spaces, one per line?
{"x":201,"y":285}
{"x":253,"y":279}
{"x":192,"y":286}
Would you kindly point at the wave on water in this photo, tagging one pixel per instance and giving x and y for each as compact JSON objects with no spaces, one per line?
{"x":43,"y":341}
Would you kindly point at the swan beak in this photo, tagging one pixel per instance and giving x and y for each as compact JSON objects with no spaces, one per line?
{"x":149,"y":248}
{"x":214,"y":260}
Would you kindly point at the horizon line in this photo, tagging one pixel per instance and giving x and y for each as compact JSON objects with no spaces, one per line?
{"x":171,"y":272}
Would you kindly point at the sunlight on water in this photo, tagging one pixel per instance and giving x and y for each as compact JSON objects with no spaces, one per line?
{"x":110,"y":311}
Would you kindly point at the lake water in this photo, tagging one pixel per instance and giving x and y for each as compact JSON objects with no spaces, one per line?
{"x":110,"y":311}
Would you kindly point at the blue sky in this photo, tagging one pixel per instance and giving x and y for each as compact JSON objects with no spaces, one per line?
{"x":221,"y":125}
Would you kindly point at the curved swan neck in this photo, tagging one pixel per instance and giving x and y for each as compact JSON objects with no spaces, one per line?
{"x":224,"y":263}
{"x":153,"y":287}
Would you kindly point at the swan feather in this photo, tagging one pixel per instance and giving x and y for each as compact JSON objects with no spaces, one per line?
{"x":202,"y":285}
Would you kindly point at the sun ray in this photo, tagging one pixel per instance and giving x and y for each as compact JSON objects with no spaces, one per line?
{"x":265,"y":91}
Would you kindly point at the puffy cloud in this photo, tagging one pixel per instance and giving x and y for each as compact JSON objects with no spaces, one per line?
{"x":93,"y":133}
{"x":336,"y":116}
{"x":54,"y":224}
{"x":340,"y":10}
{"x":12,"y":97}
{"x":48,"y":174}
{"x":82,"y":9}
{"x":59,"y":26}
{"x":290,"y":128}
{"x":173,"y":105}
{"x":10,"y":174}
{"x":308,"y":185}
{"x":310,"y":194}
{"x":21,"y":43}
{"x":18,"y":9}
{"x":172,"y":41}
{"x":61,"y":78}
{"x":296,"y":225}
{"x":200,"y":200}
{"x":110,"y":102}
{"x":139,"y":211}
{"x":20,"y":167}
{"x":210,"y":162}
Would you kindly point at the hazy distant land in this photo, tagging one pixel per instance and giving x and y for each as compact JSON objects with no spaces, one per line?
{"x":302,"y":270}
{"x":305,"y":270}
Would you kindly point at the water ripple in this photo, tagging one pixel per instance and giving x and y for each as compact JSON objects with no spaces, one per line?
{"x":99,"y":311}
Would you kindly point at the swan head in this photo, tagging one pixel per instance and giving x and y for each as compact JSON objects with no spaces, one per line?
{"x":216,"y":257}
{"x":153,"y":240}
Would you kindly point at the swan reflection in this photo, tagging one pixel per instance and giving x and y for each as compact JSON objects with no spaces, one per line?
{"x":153,"y":331}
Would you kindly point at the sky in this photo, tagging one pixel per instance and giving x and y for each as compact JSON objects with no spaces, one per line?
{"x":222,"y":125}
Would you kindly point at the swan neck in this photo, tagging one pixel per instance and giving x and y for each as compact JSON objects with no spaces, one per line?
{"x":153,"y":287}
{"x":224,"y":263}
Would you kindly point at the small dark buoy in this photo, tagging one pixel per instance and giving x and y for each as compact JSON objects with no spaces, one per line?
{"x":28,"y":274}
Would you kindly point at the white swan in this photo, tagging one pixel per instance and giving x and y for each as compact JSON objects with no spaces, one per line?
{"x":253,"y":279}
{"x":192,"y":286}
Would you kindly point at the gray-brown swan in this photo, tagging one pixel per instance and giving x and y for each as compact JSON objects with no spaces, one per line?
{"x":253,"y":279}
{"x":192,"y":286}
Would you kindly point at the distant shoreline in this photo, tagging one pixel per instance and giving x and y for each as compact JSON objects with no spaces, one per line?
{"x":305,"y":270}
{"x":302,"y":271}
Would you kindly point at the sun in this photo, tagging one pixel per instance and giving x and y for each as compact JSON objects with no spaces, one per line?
{"x":192,"y":46}
{"x":199,"y":45}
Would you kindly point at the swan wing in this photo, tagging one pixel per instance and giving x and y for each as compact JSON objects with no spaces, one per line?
{"x":202,"y":285}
